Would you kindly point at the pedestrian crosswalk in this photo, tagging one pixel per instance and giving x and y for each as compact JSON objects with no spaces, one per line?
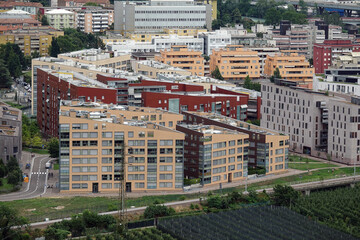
{"x":39,"y":173}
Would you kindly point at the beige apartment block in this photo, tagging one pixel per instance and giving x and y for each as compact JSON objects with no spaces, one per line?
{"x":292,"y":67}
{"x":99,"y":58}
{"x":152,"y":69}
{"x":182,"y":57}
{"x":235,"y":62}
{"x":95,"y":147}
{"x":214,"y":154}
{"x":61,"y":18}
{"x":94,"y":20}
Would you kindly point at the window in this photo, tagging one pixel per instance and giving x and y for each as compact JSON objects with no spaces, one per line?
{"x":106,"y":160}
{"x":166,"y":142}
{"x":166,"y":176}
{"x":166,"y":167}
{"x":130,"y":134}
{"x":106,"y":185}
{"x":107,"y":143}
{"x":106,"y":168}
{"x":165,"y":184}
{"x":107,"y":134}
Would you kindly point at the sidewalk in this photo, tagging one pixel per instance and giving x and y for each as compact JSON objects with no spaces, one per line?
{"x":290,"y":172}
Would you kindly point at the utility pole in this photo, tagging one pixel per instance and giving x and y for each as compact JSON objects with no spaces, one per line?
{"x":122,"y":192}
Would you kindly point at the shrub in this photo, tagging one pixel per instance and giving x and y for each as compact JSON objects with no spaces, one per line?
{"x":154,"y":211}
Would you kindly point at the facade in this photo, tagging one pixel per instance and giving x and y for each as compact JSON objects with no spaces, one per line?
{"x":213,"y":154}
{"x":93,"y":152}
{"x":326,"y":52}
{"x":61,"y":18}
{"x":267,"y":149}
{"x":10,"y":132}
{"x":148,"y":36}
{"x":52,"y":87}
{"x":94,"y":21}
{"x":215,"y":40}
{"x":264,"y":53}
{"x":11,"y":20}
{"x":227,"y":105}
{"x":99,"y":58}
{"x":81,"y":3}
{"x":317,"y":124}
{"x":292,"y":67}
{"x":181,"y":57}
{"x":166,"y":42}
{"x":235,"y":63}
{"x":31,"y":39}
{"x":154,"y":16}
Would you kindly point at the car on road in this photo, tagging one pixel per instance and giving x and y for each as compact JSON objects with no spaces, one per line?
{"x":27,"y":166}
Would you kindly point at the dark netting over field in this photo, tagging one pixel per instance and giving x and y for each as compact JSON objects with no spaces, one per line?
{"x":266,"y":222}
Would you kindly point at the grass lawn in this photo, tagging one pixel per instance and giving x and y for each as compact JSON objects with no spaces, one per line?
{"x":40,"y":208}
{"x":56,"y":166}
{"x":6,"y":188}
{"x":312,"y":165}
{"x":293,"y":158}
{"x":36,"y":150}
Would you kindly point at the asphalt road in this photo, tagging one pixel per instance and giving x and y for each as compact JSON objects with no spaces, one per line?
{"x":37,"y":181}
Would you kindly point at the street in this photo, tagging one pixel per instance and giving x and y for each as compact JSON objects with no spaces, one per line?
{"x":37,"y":181}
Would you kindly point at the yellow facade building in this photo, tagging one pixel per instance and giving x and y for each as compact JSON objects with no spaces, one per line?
{"x":182,"y":57}
{"x":213,"y":4}
{"x":99,"y":148}
{"x":31,"y":39}
{"x":235,"y":62}
{"x":292,"y":67}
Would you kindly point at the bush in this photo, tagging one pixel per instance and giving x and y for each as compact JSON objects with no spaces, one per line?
{"x":154,"y":211}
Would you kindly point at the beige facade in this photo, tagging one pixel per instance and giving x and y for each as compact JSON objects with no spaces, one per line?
{"x":182,"y":57}
{"x":61,"y":18}
{"x":94,"y":151}
{"x":152,"y":69}
{"x":292,"y":67}
{"x":235,"y":63}
{"x":94,"y":21}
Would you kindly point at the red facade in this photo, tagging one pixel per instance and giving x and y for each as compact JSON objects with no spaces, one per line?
{"x":51,"y":89}
{"x":324,"y":52}
{"x":121,"y":84}
{"x":170,"y":86}
{"x":225,"y":105}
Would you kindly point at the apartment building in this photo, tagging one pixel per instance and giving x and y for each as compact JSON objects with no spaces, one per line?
{"x":227,"y":105}
{"x":349,"y":60}
{"x":213,"y":154}
{"x":98,"y":149}
{"x":81,"y":3}
{"x":263,"y":53}
{"x":15,"y":19}
{"x":148,"y":36}
{"x":61,"y":18}
{"x":213,"y":4}
{"x":215,"y":40}
{"x":30,"y":7}
{"x":99,"y":58}
{"x":319,"y":125}
{"x":267,"y":149}
{"x":154,"y":15}
{"x":94,"y":20}
{"x":10,"y":132}
{"x":152,"y":69}
{"x":182,"y":57}
{"x":31,"y":39}
{"x":326,"y":52}
{"x":344,"y":81}
{"x":292,"y":67}
{"x":55,"y":86}
{"x":235,"y":63}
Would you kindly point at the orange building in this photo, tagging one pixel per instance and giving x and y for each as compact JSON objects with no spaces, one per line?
{"x":182,"y":57}
{"x":235,"y":62}
{"x":292,"y":67}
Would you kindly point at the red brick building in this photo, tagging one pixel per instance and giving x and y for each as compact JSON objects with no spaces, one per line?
{"x":324,"y":53}
{"x":121,"y":84}
{"x":53,"y":87}
{"x":227,"y":105}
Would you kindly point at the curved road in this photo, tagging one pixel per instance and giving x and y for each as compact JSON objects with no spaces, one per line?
{"x":37,"y":181}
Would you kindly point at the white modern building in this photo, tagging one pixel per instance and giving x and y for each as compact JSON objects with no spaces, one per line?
{"x":155,"y":15}
{"x":215,"y":40}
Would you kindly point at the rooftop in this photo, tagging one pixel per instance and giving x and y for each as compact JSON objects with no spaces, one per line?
{"x":159,"y":65}
{"x":8,"y":112}
{"x":210,"y":129}
{"x":59,"y":11}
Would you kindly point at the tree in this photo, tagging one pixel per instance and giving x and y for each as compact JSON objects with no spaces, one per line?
{"x":284,"y":195}
{"x":236,"y":16}
{"x":5,"y":78}
{"x":44,"y":21}
{"x":154,"y":211}
{"x":13,"y":64}
{"x":54,"y":48}
{"x":247,"y":82}
{"x":8,"y":220}
{"x":53,"y":148}
{"x":12,"y":164}
{"x":92,"y":4}
{"x":276,"y":75}
{"x":273,"y":16}
{"x":216,"y":74}
{"x":332,"y":18}
{"x":52,"y":233}
{"x":303,"y":7}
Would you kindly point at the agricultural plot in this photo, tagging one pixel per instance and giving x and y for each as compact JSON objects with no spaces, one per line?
{"x":267,"y":222}
{"x":148,"y":233}
{"x":338,"y":208}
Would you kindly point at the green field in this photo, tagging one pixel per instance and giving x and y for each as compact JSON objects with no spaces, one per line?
{"x":293,"y":158}
{"x":53,"y":208}
{"x":36,"y":150}
{"x":56,"y":166}
{"x":6,"y":188}
{"x":309,"y":166}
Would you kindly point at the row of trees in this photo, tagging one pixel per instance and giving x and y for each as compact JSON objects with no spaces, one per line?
{"x":31,"y":134}
{"x":74,"y":40}
{"x":251,"y":85}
